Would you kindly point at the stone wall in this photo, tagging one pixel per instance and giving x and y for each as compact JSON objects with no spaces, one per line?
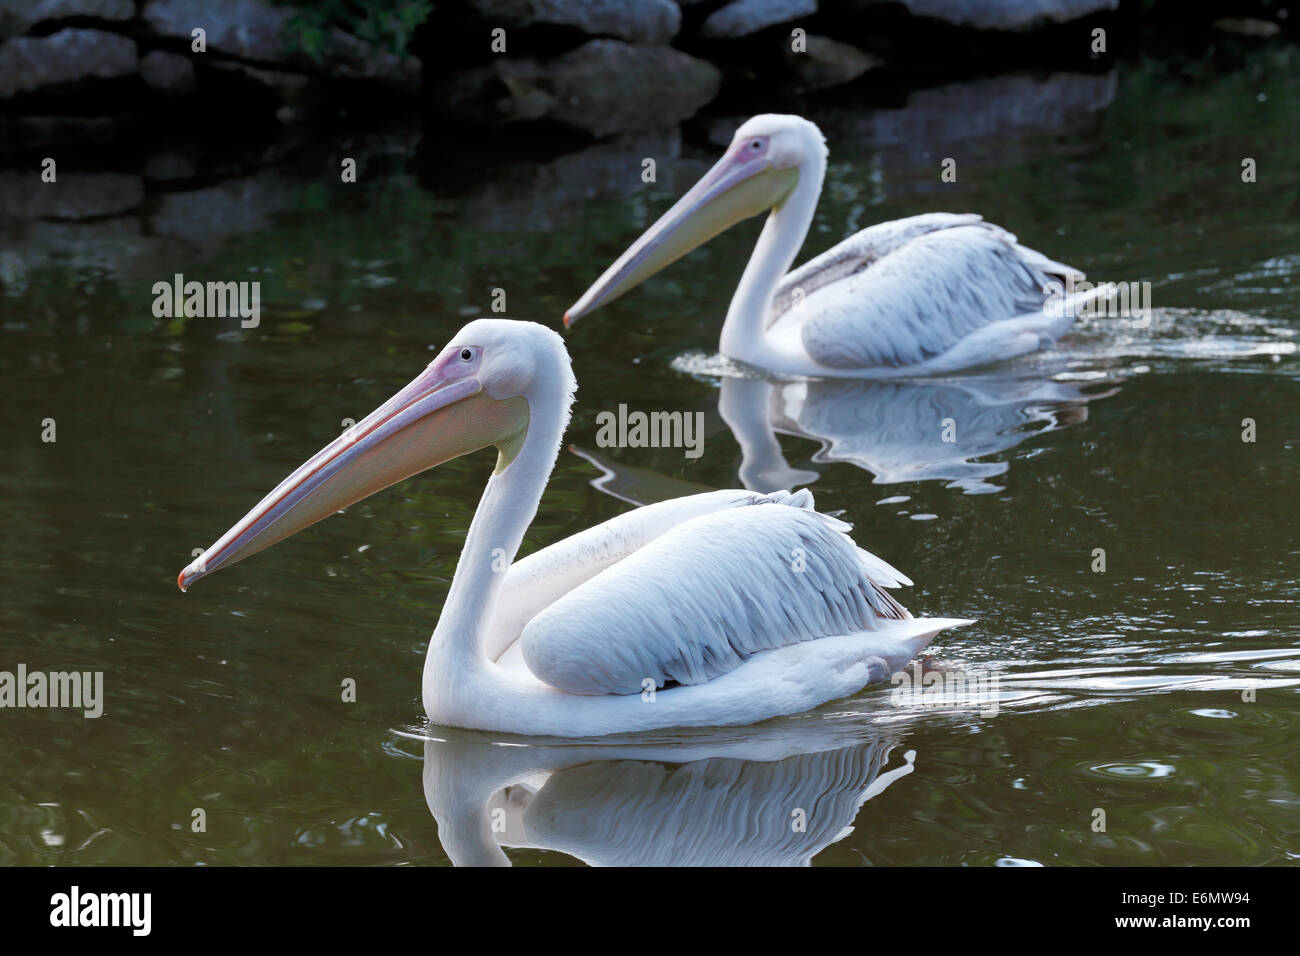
{"x":102,"y":69}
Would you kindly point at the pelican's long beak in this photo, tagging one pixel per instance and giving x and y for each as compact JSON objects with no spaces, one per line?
{"x":440,"y":415}
{"x":736,"y":188}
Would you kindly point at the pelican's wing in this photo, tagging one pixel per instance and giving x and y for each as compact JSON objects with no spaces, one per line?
{"x":704,"y":596}
{"x":857,"y":252}
{"x":538,"y":580}
{"x":915,"y":290}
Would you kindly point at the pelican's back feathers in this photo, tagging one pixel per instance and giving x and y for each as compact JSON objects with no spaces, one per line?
{"x":703,"y":597}
{"x":903,"y":292}
{"x":858,"y":252}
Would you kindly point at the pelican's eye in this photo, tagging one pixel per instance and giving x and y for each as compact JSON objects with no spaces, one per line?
{"x":752,"y":148}
{"x":467,"y":355}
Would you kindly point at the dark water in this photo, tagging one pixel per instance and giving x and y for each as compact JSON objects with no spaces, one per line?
{"x":1161,"y":691}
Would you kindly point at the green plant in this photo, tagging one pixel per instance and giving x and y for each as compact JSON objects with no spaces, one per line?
{"x":385,"y":24}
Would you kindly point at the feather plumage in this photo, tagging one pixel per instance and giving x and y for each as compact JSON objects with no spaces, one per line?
{"x":914,"y":290}
{"x":706,"y":595}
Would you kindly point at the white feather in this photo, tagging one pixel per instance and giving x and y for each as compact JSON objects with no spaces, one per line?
{"x":708,"y":594}
{"x":532,"y":583}
{"x":921,"y":298}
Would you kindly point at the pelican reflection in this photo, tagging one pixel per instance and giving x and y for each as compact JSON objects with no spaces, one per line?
{"x":915,"y":430}
{"x":954,"y":430}
{"x":767,"y":798}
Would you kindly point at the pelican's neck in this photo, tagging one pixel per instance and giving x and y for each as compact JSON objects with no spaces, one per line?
{"x":744,"y":332}
{"x":505,"y":511}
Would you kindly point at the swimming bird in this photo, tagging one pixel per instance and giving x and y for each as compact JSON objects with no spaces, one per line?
{"x":722,"y":608}
{"x":924,"y":295}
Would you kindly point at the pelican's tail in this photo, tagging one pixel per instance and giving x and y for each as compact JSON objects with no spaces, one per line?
{"x":1072,"y":303}
{"x":1053,"y":269}
{"x":920,"y":631}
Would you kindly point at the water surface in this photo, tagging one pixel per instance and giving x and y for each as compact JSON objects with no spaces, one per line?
{"x":1162,"y":691}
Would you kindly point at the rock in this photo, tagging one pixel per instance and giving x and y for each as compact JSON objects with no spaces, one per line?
{"x":289,"y":86}
{"x":256,"y":31}
{"x":37,"y":130}
{"x":169,"y":166}
{"x":606,"y":85}
{"x":1005,"y":15}
{"x":71,"y":196}
{"x":991,"y":114}
{"x":529,"y":196}
{"x":740,"y":18}
{"x":827,"y":62}
{"x":30,"y":63}
{"x":169,"y":73}
{"x":991,"y":119}
{"x":603,"y":86}
{"x":19,"y":16}
{"x":345,"y":57}
{"x":502,"y":90}
{"x":297,"y":92}
{"x":639,"y":21}
{"x":244,"y":28}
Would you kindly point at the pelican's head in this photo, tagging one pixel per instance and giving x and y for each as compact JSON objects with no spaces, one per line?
{"x":758,"y":172}
{"x":479,"y":391}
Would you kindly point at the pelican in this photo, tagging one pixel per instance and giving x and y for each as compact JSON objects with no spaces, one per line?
{"x":918,"y":296}
{"x":723,"y":608}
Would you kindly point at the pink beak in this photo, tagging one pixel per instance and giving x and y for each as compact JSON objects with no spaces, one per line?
{"x":426,"y":423}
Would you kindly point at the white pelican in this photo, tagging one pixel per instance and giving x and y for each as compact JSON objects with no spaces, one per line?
{"x":716,"y":609}
{"x":917,"y":296}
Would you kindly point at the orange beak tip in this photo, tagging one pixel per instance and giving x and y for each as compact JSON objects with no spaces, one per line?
{"x":567,"y":321}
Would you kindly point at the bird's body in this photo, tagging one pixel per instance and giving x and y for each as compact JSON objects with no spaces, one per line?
{"x":717,"y":609}
{"x":925,"y":295}
{"x":722,"y":608}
